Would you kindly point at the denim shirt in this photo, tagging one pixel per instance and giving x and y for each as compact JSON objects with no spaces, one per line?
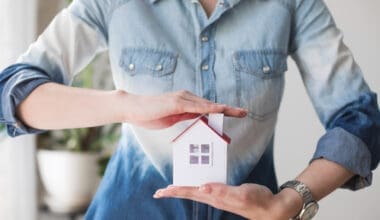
{"x":237,"y":56}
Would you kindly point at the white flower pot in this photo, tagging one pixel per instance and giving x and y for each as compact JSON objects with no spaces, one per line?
{"x":70,"y":179}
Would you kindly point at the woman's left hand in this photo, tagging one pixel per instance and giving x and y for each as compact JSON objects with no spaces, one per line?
{"x":251,"y":201}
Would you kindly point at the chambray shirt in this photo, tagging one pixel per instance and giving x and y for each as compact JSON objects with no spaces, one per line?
{"x":237,"y":56}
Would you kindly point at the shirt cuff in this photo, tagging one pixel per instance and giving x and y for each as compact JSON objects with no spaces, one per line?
{"x":341,"y":147}
{"x":15,"y":91}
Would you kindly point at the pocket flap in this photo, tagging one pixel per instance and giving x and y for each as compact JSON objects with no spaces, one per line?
{"x":263,"y":64}
{"x":148,"y":61}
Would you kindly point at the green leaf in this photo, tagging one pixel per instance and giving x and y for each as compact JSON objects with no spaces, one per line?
{"x":2,"y":131}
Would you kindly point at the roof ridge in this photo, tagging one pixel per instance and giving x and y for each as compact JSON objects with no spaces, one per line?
{"x":204,"y":119}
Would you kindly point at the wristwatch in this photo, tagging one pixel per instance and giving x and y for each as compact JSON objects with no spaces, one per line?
{"x":310,"y":206}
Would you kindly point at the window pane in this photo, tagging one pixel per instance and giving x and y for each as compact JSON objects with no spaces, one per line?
{"x":194,"y":148}
{"x":205,"y":148}
{"x":194,"y":160}
{"x":205,"y":159}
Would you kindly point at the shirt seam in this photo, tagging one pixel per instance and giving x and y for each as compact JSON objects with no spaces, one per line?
{"x":111,"y":12}
{"x":102,"y":39}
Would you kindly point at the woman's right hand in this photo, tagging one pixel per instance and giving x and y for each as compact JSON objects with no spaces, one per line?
{"x":162,"y":111}
{"x":54,"y":106}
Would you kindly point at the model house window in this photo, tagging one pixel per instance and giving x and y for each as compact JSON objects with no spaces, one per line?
{"x":200,"y":154}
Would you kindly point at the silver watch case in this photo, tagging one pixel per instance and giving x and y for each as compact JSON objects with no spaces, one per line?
{"x":308,"y":211}
{"x":310,"y":206}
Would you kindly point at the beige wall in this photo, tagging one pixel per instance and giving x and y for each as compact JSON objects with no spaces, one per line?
{"x":19,"y":20}
{"x":47,"y":9}
{"x":17,"y":173}
{"x":299,"y":129}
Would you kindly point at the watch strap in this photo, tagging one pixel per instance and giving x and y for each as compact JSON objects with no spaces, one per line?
{"x":304,"y":192}
{"x":301,"y":188}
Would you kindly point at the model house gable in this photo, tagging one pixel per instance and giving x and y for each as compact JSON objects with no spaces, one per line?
{"x":198,"y":144}
{"x":205,"y":121}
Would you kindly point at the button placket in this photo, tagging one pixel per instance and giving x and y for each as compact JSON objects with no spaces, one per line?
{"x":207,"y":49}
{"x":205,"y":45}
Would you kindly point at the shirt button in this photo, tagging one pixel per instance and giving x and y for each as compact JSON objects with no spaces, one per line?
{"x":131,"y":66}
{"x":205,"y":67}
{"x":159,"y":67}
{"x":204,"y":39}
{"x":266,"y":69}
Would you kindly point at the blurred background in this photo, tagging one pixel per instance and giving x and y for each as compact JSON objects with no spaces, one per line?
{"x":53,"y":176}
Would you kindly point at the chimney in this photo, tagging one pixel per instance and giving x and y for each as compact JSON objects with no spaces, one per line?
{"x":215,"y":120}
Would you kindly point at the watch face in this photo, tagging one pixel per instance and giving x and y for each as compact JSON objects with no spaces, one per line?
{"x":310,"y":211}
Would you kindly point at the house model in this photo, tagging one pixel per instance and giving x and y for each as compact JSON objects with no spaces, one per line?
{"x":200,"y":152}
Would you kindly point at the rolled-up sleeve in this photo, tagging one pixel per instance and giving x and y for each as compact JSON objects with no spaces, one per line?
{"x":16,"y":82}
{"x":343,"y":101}
{"x":69,"y":43}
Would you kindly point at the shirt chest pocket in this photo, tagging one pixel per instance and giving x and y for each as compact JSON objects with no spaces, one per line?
{"x":148,"y":71}
{"x":260,"y":81}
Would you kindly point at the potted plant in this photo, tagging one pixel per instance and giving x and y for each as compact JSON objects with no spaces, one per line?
{"x":71,"y":160}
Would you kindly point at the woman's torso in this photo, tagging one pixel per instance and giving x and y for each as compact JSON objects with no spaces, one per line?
{"x":237,"y":57}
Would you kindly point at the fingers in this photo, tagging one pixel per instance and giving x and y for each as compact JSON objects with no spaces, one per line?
{"x":217,"y":195}
{"x":185,"y":192}
{"x":204,"y":108}
{"x":181,"y":117}
{"x":167,"y":121}
{"x":235,"y":112}
{"x":188,"y":102}
{"x":201,"y":107}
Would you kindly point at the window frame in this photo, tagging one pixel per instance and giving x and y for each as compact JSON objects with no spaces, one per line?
{"x":197,"y":151}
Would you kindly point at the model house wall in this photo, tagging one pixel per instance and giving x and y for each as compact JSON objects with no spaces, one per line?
{"x":199,"y":156}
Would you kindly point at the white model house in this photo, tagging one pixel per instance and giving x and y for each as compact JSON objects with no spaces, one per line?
{"x":200,"y":153}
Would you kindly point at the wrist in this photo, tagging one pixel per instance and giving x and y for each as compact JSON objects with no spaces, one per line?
{"x":286,"y":204}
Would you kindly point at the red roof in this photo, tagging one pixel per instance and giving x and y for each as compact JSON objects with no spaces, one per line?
{"x":203,"y":119}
